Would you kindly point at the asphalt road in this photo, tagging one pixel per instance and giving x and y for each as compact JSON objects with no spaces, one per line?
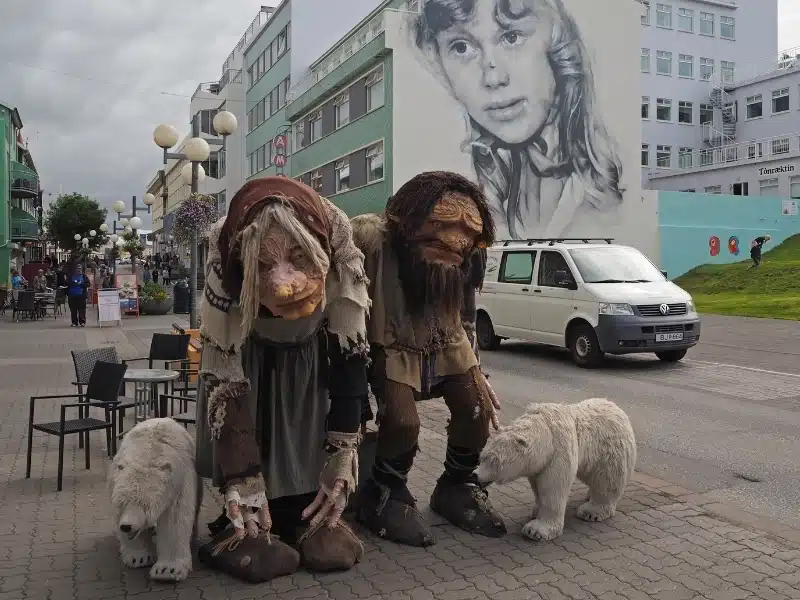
{"x":724,"y":422}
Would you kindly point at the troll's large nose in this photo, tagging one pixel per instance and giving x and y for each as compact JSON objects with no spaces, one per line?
{"x":125,"y":528}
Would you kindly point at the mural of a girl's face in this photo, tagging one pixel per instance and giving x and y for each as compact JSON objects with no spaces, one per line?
{"x":497,"y":66}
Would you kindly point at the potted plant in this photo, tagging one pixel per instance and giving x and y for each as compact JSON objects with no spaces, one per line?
{"x":154,"y":300}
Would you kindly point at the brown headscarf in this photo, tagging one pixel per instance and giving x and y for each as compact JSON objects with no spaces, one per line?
{"x":248,"y":203}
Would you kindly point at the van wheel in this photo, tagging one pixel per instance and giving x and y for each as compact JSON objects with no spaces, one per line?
{"x":487,"y":340}
{"x":584,"y":346}
{"x":671,"y":355}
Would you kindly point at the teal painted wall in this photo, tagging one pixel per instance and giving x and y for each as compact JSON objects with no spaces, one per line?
{"x":6,"y":136}
{"x":699,"y":229}
{"x":279,"y":71}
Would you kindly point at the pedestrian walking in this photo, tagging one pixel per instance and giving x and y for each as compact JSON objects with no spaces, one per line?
{"x":76,"y":297}
{"x":165,"y":276}
{"x":755,"y":249}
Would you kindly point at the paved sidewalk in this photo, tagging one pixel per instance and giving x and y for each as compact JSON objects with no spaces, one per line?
{"x":660,"y":545}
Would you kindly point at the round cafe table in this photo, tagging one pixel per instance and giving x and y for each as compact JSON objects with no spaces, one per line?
{"x":146,"y":382}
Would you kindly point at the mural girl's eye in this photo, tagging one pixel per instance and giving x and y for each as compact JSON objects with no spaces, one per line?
{"x":512,"y":38}
{"x":462,"y":49}
{"x":297,"y":257}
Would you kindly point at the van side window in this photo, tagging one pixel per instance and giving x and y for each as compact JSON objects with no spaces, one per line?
{"x":549,"y":263}
{"x":517,"y":267}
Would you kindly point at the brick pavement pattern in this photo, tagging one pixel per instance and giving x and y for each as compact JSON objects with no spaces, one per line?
{"x":59,"y":546}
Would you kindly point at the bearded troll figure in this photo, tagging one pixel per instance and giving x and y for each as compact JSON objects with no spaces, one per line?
{"x":283,"y":381}
{"x":420,"y":258}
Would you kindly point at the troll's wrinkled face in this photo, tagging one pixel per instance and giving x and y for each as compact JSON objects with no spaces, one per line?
{"x":290,"y":285}
{"x":451,"y":230}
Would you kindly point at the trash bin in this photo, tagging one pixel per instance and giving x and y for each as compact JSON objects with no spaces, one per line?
{"x":180,"y":294}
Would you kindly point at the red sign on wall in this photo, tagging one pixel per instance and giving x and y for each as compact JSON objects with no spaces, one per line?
{"x":279,"y":141}
{"x":280,"y":160}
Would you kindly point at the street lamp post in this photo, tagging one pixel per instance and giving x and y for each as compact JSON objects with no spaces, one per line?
{"x":196,"y":150}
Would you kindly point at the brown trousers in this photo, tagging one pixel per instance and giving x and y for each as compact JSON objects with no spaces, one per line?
{"x":398,"y":430}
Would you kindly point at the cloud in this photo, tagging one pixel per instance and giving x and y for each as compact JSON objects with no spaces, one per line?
{"x":91,"y":93}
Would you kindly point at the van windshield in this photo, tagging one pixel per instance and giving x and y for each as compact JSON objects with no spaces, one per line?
{"x":614,"y":264}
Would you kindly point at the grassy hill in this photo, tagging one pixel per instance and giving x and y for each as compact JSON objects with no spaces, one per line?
{"x":772,"y":290}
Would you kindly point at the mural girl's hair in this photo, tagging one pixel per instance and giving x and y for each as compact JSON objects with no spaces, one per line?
{"x":584,"y":145}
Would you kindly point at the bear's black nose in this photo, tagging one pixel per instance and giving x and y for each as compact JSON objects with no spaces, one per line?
{"x":125,"y":528}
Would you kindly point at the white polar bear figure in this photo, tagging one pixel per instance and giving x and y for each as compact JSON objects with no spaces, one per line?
{"x":551,"y":445}
{"x":155,"y":495}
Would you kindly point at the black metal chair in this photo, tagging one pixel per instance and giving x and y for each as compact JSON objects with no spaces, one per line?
{"x":186,"y":416}
{"x":25,"y":304}
{"x":102,"y":391}
{"x":84,"y":361}
{"x":172,"y":350}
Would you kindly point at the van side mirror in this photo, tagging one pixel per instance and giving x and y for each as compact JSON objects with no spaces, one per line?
{"x":563,"y":279}
{"x":664,"y":273}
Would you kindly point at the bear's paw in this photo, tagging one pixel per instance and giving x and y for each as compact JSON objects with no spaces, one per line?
{"x":594,"y":512}
{"x":541,"y":531}
{"x":170,"y":571}
{"x":137,"y":559}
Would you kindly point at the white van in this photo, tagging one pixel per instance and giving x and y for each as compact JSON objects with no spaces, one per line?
{"x":590,"y":296}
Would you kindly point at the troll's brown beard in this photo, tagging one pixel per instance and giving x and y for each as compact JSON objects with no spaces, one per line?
{"x":437,"y":287}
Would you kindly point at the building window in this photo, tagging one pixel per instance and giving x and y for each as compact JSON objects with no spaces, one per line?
{"x":316,"y":180}
{"x":727,"y":28}
{"x":706,"y":23}
{"x":375,"y":94}
{"x":706,"y":157}
{"x":780,"y":146}
{"x":645,"y":155}
{"x":713,"y":189}
{"x":780,"y":101}
{"x":222,"y":204}
{"x":685,"y":110}
{"x":685,"y":158}
{"x":663,"y":109}
{"x":342,"y":170}
{"x":375,"y":162}
{"x":706,"y":68}
{"x":645,"y":107}
{"x":663,"y":156}
{"x":755,"y":107}
{"x":706,"y":113}
{"x":316,"y":126}
{"x":342,"y":104}
{"x":664,"y":15}
{"x":685,"y":65}
{"x":686,"y":19}
{"x":755,"y":150}
{"x":646,"y":16}
{"x":299,"y":133}
{"x":645,"y":60}
{"x":768,"y":187}
{"x":794,"y":186}
{"x":727,"y":70}
{"x":663,"y":62}
{"x":282,"y":39}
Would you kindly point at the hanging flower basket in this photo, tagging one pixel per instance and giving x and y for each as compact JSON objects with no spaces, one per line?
{"x":195,"y":215}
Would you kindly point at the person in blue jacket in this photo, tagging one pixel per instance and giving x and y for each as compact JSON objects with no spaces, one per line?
{"x":76,"y":297}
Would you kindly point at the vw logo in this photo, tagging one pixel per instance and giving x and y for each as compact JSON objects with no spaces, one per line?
{"x":664,"y":309}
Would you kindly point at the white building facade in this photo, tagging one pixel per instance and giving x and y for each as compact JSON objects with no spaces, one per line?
{"x":689,"y":47}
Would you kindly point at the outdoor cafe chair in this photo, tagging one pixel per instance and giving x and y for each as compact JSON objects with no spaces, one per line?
{"x":187,"y":415}
{"x":169,"y":349}
{"x":102,"y":391}
{"x":84,"y":361}
{"x":24,"y":303}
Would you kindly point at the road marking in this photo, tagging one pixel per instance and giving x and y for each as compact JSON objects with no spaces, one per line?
{"x":755,"y":370}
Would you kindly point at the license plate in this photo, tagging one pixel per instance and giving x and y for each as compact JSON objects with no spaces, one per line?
{"x":669,"y":337}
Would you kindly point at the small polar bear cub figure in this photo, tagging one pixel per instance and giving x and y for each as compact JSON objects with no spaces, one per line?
{"x":154,"y":486}
{"x":552,"y":445}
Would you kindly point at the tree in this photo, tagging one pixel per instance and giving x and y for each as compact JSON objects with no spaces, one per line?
{"x":71,"y":214}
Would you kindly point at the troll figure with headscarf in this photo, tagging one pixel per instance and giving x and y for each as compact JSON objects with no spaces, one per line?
{"x":424,"y":258}
{"x":283,"y":381}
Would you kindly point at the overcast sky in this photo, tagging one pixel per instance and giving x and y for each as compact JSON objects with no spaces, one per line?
{"x":92,"y":78}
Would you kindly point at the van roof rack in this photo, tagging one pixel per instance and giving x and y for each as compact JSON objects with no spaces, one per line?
{"x":552,"y":241}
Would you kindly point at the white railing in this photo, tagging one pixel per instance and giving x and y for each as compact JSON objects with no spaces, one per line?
{"x":772,"y":148}
{"x":786,"y":60}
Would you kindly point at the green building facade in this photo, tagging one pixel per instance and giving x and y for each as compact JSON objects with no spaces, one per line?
{"x":20,"y":194}
{"x":337,"y":121}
